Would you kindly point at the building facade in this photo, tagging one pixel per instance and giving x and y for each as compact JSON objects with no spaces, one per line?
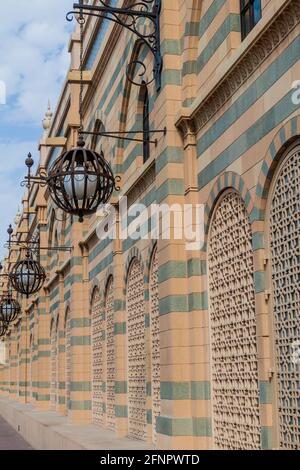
{"x":176,"y":347}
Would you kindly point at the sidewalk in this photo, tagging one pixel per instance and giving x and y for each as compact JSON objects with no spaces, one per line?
{"x":10,"y":439}
{"x":46,"y":430}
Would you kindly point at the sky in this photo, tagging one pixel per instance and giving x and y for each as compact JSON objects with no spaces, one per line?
{"x":34,"y":60}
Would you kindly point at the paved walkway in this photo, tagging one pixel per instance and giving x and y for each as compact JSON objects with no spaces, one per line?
{"x":10,"y":439}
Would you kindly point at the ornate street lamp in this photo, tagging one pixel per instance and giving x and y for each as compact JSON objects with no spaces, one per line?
{"x":27,"y":276}
{"x":10,"y":309}
{"x":80,"y":180}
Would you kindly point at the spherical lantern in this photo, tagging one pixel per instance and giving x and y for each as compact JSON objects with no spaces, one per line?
{"x":80,"y":180}
{"x":10,"y":309}
{"x":27,"y":276}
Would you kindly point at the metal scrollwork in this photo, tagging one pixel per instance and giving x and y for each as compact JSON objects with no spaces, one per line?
{"x":117,"y":181}
{"x":141,"y":18}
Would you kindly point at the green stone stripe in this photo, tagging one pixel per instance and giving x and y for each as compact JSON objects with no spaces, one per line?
{"x":80,"y":322}
{"x":173,"y":303}
{"x":200,"y":427}
{"x":189,"y":67}
{"x":120,"y":328}
{"x":259,"y":281}
{"x":231,"y":24}
{"x":171,"y":77}
{"x":196,"y":267}
{"x":119,"y":305}
{"x":41,"y":397}
{"x":171,"y":47}
{"x":255,"y":91}
{"x":258,"y":241}
{"x":185,"y":390}
{"x":42,"y":385}
{"x":67,"y":295}
{"x":100,"y":247}
{"x":191,"y":29}
{"x":101,"y":266}
{"x":198,"y":301}
{"x":120,"y":388}
{"x":80,"y":340}
{"x":44,"y":341}
{"x":121,"y":411}
{"x":80,"y":386}
{"x":54,"y":307}
{"x":78,"y":405}
{"x":265,"y":393}
{"x":75,"y":278}
{"x":169,"y":155}
{"x":209,"y":16}
{"x":44,"y":354}
{"x":172,"y":269}
{"x":171,"y":187}
{"x":266,"y":438}
{"x":272,"y":118}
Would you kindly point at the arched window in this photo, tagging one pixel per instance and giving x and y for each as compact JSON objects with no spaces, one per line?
{"x":250,"y":15}
{"x":155,"y":343}
{"x":284,"y":237}
{"x":234,"y":367}
{"x":146,"y":124}
{"x":136,"y":351}
{"x":98,"y":360}
{"x":68,"y":363}
{"x":110,"y":354}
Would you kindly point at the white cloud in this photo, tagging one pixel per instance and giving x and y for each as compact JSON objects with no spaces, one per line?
{"x":33,"y":63}
{"x":33,"y":56}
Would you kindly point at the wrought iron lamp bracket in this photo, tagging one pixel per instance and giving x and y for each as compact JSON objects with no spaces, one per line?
{"x":120,"y":135}
{"x":131,"y":18}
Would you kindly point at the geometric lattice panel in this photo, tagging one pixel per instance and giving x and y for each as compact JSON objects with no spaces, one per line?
{"x":155,"y":344}
{"x":98,"y":358}
{"x":54,"y":365}
{"x":285,"y":252}
{"x":234,"y":367}
{"x":68,"y":359}
{"x":136,"y":353}
{"x":110,"y":353}
{"x":31,"y":368}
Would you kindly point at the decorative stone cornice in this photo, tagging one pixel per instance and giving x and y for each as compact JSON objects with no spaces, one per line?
{"x":141,"y":186}
{"x":265,"y":44}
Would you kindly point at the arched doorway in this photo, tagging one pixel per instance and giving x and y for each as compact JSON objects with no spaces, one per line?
{"x":136,"y":352}
{"x":284,"y":245}
{"x":233,"y":341}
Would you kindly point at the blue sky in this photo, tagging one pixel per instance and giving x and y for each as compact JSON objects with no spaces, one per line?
{"x":33,"y":62}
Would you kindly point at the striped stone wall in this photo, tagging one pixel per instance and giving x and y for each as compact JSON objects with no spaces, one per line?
{"x":227,"y":106}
